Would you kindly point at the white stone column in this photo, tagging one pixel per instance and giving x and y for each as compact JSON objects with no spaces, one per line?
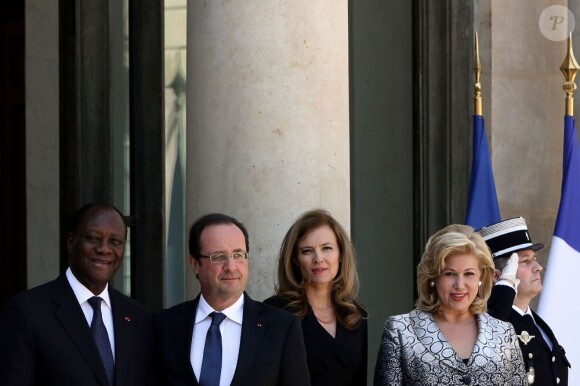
{"x":268,"y":118}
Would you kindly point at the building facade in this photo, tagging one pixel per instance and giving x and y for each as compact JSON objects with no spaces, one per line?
{"x":263,"y":110}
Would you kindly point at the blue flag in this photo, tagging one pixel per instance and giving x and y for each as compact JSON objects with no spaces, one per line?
{"x":557,"y":303}
{"x":482,"y":206}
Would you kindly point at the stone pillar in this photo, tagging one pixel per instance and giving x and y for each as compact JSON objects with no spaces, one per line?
{"x":268,"y":119}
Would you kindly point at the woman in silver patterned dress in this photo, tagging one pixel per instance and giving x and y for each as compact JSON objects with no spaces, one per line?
{"x":449,"y":339}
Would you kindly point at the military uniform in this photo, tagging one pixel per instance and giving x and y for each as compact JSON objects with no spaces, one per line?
{"x":550,"y":367}
{"x":544,"y":366}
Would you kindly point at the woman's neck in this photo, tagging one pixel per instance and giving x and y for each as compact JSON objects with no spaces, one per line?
{"x":453,"y":317}
{"x":319,"y":297}
{"x":321,"y":303}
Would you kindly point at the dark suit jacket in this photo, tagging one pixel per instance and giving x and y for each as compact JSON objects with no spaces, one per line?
{"x":341,"y":360}
{"x":549,"y":365}
{"x":45,"y":340}
{"x":271,"y":347}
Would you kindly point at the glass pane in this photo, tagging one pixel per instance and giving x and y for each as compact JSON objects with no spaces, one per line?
{"x":175,"y":29}
{"x":119,"y":110}
{"x":175,"y":80}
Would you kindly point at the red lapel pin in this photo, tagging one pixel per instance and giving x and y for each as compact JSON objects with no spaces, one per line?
{"x":127,"y":318}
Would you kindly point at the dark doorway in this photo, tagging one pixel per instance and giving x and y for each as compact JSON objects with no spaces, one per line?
{"x":89,"y":160}
{"x":12,"y":150}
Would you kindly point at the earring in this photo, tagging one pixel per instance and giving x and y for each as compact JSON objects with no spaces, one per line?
{"x":480,"y":283}
{"x":432,"y":284}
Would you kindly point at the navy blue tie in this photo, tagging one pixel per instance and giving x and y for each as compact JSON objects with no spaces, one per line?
{"x":534,"y":330}
{"x":102,"y":338}
{"x":211,"y":365}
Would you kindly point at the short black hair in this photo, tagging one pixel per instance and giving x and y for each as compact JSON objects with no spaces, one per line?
{"x":80,"y":215}
{"x":207,"y":220}
{"x":501,"y":262}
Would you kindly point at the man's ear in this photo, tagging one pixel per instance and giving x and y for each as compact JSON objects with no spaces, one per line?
{"x":194,"y":264}
{"x":69,"y":243}
{"x":496,"y":275}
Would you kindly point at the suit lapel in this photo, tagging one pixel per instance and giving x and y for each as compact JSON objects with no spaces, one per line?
{"x":183,"y":327}
{"x":72,"y":319}
{"x":540,"y":322}
{"x":524,"y":325}
{"x":316,"y":332}
{"x":253,"y":330}
{"x":428,"y":332}
{"x":124,"y":335}
{"x":485,"y":329}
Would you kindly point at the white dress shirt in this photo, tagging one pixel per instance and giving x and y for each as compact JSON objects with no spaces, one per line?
{"x":83,"y":295}
{"x":231,"y":331}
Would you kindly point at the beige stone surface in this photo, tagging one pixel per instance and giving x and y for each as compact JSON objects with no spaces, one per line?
{"x":268,"y":118}
{"x":527,"y":111}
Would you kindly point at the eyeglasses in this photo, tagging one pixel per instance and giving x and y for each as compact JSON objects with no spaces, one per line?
{"x":222,"y":257}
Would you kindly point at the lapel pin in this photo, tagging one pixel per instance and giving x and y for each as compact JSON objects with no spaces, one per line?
{"x":525,"y":337}
{"x":127,"y":318}
{"x":259,"y":324}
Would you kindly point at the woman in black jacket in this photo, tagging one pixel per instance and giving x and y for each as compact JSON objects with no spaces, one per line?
{"x":318,"y":281}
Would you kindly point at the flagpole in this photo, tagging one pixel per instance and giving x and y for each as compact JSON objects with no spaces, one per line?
{"x":569,"y":68}
{"x":482,"y":205}
{"x":478,"y":108}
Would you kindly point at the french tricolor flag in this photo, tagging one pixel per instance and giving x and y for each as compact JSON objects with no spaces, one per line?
{"x":559,"y":302}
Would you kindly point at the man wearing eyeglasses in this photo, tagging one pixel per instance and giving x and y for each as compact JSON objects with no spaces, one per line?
{"x":224,"y":337}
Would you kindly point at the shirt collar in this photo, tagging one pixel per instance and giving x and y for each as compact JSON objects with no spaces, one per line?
{"x":235,"y":312}
{"x":522,"y":313}
{"x":82,"y":293}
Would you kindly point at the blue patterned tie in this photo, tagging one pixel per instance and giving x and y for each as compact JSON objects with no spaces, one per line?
{"x":211,"y":366}
{"x":102,"y":338}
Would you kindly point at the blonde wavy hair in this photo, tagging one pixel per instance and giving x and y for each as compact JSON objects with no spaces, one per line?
{"x":291,"y":283}
{"x":452,"y":240}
